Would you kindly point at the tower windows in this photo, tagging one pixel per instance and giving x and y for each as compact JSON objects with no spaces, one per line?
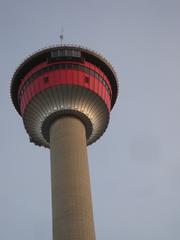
{"x":86,"y":79}
{"x":46,"y":79}
{"x":54,"y":67}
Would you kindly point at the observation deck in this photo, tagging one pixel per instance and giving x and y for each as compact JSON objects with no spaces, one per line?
{"x":64,"y":80}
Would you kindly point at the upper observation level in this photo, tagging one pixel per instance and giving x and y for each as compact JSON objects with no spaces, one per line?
{"x":64,"y":80}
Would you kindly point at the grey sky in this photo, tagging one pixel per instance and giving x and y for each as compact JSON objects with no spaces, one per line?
{"x":135,"y":166}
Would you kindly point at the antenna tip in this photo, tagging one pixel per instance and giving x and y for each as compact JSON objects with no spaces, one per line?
{"x":61,"y":36}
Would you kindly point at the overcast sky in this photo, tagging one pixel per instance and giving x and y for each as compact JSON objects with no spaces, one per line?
{"x":135,"y":166}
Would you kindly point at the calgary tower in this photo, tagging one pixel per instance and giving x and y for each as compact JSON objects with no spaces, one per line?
{"x":64,"y":95}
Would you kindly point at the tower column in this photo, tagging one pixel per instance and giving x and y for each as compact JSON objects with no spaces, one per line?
{"x":71,"y":195}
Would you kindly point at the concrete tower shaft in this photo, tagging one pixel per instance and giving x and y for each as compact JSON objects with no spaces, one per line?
{"x":71,"y":195}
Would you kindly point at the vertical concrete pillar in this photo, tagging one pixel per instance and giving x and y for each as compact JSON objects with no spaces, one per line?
{"x":71,"y":195}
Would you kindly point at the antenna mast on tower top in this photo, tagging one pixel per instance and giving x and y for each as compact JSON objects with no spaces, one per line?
{"x":62,"y":36}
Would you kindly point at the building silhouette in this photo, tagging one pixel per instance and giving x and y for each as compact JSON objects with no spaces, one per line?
{"x":64,"y":95}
